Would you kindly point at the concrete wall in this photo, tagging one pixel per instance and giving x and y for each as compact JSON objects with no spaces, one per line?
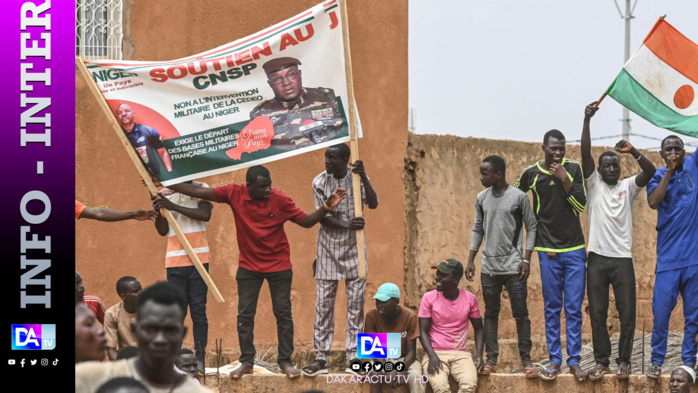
{"x":106,"y":177}
{"x":442,"y":180}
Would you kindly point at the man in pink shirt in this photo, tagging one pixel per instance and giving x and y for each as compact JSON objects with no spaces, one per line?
{"x":444,"y":316}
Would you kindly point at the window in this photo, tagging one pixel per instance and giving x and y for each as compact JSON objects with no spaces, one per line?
{"x":98,"y":30}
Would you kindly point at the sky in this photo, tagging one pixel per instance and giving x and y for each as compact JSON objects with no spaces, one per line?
{"x":513,"y":69}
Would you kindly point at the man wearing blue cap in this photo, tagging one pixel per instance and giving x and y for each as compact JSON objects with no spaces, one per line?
{"x":389,"y":317}
{"x":444,"y":317}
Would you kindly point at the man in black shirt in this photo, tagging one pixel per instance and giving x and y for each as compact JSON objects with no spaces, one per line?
{"x":559,"y":196}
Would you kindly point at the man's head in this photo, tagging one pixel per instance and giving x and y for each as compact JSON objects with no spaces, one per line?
{"x":609,"y":167}
{"x":672,"y":148}
{"x":127,"y":352}
{"x":79,"y":287}
{"x":128,"y":289}
{"x":448,"y":274}
{"x":387,"y":299}
{"x":122,"y":385}
{"x":258,"y":182}
{"x":554,"y":146}
{"x":90,"y":341}
{"x":492,"y":170}
{"x":682,"y":379}
{"x":159,"y":327}
{"x":186,"y":361}
{"x":284,"y":77}
{"x":125,"y":115}
{"x":337,"y":158}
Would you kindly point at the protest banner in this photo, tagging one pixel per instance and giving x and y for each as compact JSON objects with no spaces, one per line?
{"x":275,"y":94}
{"x":238,"y":105}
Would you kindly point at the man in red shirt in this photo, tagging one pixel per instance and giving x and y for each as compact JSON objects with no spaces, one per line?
{"x":94,"y":303}
{"x":260,"y":213}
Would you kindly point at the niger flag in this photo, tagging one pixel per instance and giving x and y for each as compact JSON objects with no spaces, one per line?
{"x":660,"y":81}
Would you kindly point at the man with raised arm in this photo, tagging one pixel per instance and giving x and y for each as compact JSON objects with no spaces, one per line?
{"x":610,"y":260}
{"x":673,"y":191}
{"x":559,"y":197}
{"x":109,"y":215}
{"x":260,"y":213}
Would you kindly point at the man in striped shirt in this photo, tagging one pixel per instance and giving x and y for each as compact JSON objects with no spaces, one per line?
{"x":191,"y":215}
{"x":559,"y":197}
{"x":338,"y":255}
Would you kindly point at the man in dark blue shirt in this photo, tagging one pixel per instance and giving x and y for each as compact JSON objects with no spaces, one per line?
{"x":673,"y":191}
{"x":145,"y":139}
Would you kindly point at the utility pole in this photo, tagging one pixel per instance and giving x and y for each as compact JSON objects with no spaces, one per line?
{"x":627,"y":16}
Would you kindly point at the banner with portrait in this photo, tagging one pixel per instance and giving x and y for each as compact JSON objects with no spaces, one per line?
{"x":274,"y":94}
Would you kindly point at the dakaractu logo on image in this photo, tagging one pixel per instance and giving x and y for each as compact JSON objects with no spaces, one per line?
{"x":33,"y":337}
{"x":379,"y":345}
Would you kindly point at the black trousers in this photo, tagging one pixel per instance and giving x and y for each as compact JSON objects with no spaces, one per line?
{"x":188,"y":279}
{"x":518,"y":292}
{"x":618,"y":272}
{"x":249,"y":284}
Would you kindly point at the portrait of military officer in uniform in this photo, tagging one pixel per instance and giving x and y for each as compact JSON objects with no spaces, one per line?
{"x":301,"y":116}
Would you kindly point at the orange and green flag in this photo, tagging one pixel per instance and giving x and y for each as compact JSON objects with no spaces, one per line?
{"x":660,"y":81}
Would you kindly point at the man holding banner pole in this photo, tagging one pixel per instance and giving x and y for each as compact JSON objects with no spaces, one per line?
{"x":260,"y":213}
{"x":338,"y":255}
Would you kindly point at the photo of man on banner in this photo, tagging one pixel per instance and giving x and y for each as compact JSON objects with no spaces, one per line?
{"x":301,"y":116}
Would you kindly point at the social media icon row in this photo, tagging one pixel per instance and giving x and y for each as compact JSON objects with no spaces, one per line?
{"x":365,"y":367}
{"x":32,"y":362}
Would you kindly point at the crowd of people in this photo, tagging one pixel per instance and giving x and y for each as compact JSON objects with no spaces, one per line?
{"x":142,"y":335}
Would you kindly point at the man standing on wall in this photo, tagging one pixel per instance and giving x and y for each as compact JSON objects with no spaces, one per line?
{"x":500,"y":214}
{"x":610,"y":203}
{"x":191,"y":214}
{"x":338,"y":255}
{"x":260,"y":213}
{"x":673,"y":191}
{"x":559,"y":197}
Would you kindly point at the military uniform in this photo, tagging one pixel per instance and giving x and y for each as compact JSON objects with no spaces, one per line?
{"x":310,"y":119}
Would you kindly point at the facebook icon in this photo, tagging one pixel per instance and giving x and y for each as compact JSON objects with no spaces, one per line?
{"x":33,"y":337}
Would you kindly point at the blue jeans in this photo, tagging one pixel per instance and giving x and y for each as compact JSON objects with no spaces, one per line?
{"x":563,"y":275}
{"x":667,"y":286}
{"x":188,"y":279}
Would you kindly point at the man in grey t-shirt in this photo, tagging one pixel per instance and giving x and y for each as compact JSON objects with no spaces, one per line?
{"x":501,"y":212}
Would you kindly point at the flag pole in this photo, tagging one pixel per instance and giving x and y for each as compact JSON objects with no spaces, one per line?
{"x":145,"y":175}
{"x":599,"y":101}
{"x":353,"y":143}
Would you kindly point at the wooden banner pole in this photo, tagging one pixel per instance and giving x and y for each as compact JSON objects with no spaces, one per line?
{"x":353,"y":143}
{"x":145,"y":175}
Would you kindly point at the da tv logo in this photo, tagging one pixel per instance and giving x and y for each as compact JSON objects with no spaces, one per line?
{"x":379,"y":346}
{"x":33,"y":337}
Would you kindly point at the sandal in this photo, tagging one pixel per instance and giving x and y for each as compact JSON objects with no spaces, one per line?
{"x":598,"y":372}
{"x":531,"y":372}
{"x":488,"y":369}
{"x":311,"y":370}
{"x":551,"y":374}
{"x":624,"y":371}
{"x":655,"y":371}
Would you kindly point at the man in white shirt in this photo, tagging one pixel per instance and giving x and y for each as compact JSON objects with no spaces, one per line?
{"x":609,"y":207}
